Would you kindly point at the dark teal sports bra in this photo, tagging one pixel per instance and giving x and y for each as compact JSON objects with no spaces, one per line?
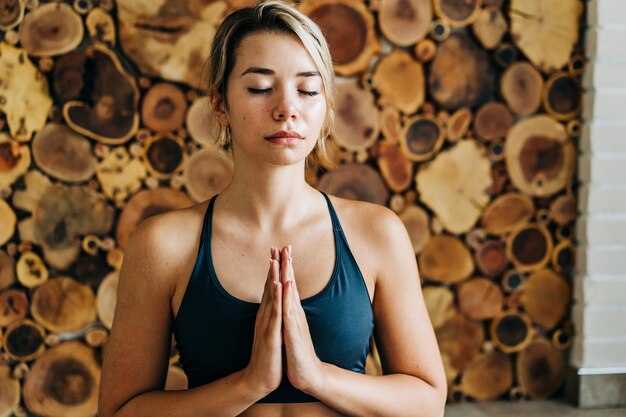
{"x":214,"y":330}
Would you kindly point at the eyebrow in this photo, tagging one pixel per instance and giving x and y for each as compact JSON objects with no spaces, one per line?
{"x":267,"y":71}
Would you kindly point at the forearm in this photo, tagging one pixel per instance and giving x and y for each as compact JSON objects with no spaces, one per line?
{"x":228,"y":396}
{"x":356,"y":394}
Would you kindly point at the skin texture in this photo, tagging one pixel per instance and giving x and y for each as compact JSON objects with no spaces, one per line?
{"x":268,"y":205}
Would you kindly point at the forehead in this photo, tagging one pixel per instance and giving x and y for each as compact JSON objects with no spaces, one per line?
{"x":277,"y":51}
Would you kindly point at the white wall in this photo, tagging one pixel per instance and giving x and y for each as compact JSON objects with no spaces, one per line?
{"x":600,"y":280}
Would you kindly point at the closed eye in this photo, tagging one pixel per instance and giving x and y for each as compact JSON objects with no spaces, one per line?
{"x":267,"y":90}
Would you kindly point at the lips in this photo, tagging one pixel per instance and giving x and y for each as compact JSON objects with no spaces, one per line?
{"x":289,"y":134}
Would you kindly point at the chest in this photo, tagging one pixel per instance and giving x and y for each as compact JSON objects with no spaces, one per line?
{"x":241,"y":264}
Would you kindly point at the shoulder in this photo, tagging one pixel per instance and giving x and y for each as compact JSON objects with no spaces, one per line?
{"x":377,"y":230}
{"x":166,"y":241}
{"x":373,"y":221}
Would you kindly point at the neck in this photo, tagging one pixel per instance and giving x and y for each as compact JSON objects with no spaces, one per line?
{"x":269,"y":198}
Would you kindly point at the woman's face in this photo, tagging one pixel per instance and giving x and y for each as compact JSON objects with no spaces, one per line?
{"x":274,"y":86}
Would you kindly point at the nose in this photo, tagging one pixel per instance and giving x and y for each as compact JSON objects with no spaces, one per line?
{"x":285,"y":107}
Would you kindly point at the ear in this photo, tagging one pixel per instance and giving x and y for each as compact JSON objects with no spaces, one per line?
{"x":217,"y":106}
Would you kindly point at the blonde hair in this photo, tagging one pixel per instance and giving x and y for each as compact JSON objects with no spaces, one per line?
{"x":269,"y":16}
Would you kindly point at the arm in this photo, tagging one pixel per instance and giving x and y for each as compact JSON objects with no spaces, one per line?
{"x":136,"y":355}
{"x":414,"y":382}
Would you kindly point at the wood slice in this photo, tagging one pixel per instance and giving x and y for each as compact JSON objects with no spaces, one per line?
{"x":425,"y":50}
{"x":563,"y":209}
{"x":11,"y":15}
{"x":356,"y":117}
{"x":562,"y":338}
{"x":439,"y":302}
{"x":537,"y":23}
{"x":26,"y":101}
{"x":390,"y":124}
{"x":24,"y":340}
{"x":75,"y":210}
{"x":512,"y":280}
{"x":460,"y":339}
{"x":145,"y":204}
{"x":540,"y":158}
{"x":480,"y":299}
{"x":488,"y":376}
{"x":8,"y":220}
{"x":164,"y":155}
{"x":197,"y":121}
{"x":511,"y":331}
{"x":68,"y":75}
{"x":9,"y":389}
{"x":490,"y":27}
{"x":96,"y":336}
{"x":91,"y":269}
{"x":540,"y":369}
{"x":64,"y":382}
{"x":349,"y":29}
{"x":207,"y":173}
{"x":460,"y":75}
{"x":564,"y":256}
{"x":404,"y":22}
{"x":495,"y":152}
{"x":111,"y":115}
{"x":62,"y":304}
{"x":31,"y":270}
{"x":355,"y":182}
{"x":100,"y":26}
{"x":458,"y":13}
{"x":106,"y":299}
{"x":51,"y":29}
{"x":163,"y":108}
{"x":445,"y":259}
{"x":440,"y":30}
{"x":13,"y":306}
{"x":522,"y":86}
{"x":475,"y":238}
{"x":546,"y":297}
{"x":7,"y":270}
{"x":491,"y":257}
{"x":454,"y":185}
{"x":170,"y":42}
{"x":458,"y":124}
{"x":416,"y":221}
{"x":395,"y":167}
{"x":529,"y":247}
{"x":562,"y":96}
{"x":63,"y":154}
{"x":14,"y":159}
{"x":422,"y":137}
{"x":505,"y":54}
{"x":400,"y":81}
{"x":120,"y":175}
{"x":492,"y":122}
{"x":507,"y":212}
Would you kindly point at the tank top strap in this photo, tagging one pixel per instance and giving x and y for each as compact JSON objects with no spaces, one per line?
{"x":333,"y":214}
{"x":208,"y":219}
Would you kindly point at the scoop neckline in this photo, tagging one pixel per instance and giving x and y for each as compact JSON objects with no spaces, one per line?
{"x":250,"y":304}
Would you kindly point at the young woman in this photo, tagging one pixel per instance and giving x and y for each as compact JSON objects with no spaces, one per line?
{"x":264,"y":331}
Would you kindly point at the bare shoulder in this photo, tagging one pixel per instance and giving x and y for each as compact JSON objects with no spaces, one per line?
{"x":372,"y":229}
{"x":372,"y":221}
{"x":167,"y":241}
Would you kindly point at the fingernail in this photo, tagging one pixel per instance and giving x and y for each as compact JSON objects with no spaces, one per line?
{"x":289,"y":250}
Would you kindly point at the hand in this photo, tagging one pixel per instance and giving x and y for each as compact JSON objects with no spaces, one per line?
{"x":265,"y":369}
{"x":304,"y":369}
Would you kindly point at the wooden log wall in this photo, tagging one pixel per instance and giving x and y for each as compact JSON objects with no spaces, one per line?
{"x":453,"y":113}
